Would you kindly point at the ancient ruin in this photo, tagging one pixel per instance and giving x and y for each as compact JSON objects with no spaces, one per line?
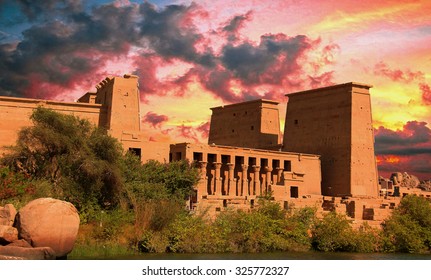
{"x":326,"y":159}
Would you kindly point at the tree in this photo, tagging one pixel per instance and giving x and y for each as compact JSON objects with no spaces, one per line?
{"x":81,"y":161}
{"x":409,"y":227}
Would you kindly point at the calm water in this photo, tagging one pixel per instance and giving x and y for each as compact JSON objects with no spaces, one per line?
{"x":279,"y":256}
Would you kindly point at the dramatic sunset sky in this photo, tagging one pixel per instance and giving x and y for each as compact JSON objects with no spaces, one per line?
{"x":193,"y":55}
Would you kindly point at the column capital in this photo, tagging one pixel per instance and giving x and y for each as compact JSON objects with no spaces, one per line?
{"x":267,"y":169}
{"x":256,"y":168}
{"x":202,"y":164}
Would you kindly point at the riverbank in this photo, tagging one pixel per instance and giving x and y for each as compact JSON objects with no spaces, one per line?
{"x":310,"y":255}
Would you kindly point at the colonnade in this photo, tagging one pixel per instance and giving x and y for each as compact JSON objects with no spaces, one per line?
{"x":230,"y":179}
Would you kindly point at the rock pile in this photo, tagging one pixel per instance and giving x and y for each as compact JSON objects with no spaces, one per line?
{"x":404,"y":180}
{"x":425,"y":185}
{"x":45,"y":228}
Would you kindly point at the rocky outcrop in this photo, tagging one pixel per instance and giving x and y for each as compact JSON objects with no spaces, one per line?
{"x":19,"y":243}
{"x":45,"y":228}
{"x":7,"y":215}
{"x":47,"y":222}
{"x":425,"y":186}
{"x":8,"y":234}
{"x":405,"y":180}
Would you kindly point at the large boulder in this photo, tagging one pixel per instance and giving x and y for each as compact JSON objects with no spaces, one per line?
{"x":7,"y":215}
{"x":47,"y":222}
{"x":410,"y":181}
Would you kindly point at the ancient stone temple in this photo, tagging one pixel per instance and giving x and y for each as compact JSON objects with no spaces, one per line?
{"x":326,"y":159}
{"x":233,"y":176}
{"x":114,"y":105}
{"x":251,"y":124}
{"x":335,"y":122}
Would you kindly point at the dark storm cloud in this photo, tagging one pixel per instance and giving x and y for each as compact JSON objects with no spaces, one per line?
{"x":269,"y":62}
{"x":218,"y":82}
{"x":233,"y":26}
{"x":171,"y":34}
{"x":67,"y":47}
{"x":415,"y":138}
{"x":407,"y":150}
{"x":155,"y":120}
{"x":44,"y":9}
{"x":418,"y":165}
{"x":63,"y":50}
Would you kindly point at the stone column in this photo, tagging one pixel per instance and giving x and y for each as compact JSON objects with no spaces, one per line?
{"x":244,"y":183}
{"x":231,"y":189}
{"x":268,"y":171}
{"x":279,"y":174}
{"x":256,"y":181}
{"x":202,"y":165}
{"x":217,"y":179}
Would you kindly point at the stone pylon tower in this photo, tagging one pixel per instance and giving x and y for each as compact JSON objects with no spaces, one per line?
{"x":336,"y":123}
{"x":250,"y":124}
{"x":119,"y":97}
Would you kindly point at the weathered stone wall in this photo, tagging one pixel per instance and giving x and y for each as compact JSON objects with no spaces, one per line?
{"x":251,"y":124}
{"x":335,"y":122}
{"x":15,"y":114}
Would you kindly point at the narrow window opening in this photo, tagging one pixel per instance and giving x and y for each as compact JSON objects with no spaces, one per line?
{"x":287,"y":165}
{"x":294,"y":192}
{"x":197,"y":156}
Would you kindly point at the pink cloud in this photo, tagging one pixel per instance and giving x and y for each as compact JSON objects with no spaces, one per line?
{"x":155,"y":120}
{"x":188,"y":132}
{"x":426,"y":93}
{"x":397,"y":75}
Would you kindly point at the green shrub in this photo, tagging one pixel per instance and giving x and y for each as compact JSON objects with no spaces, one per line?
{"x":13,"y":184}
{"x":409,"y":227}
{"x":332,"y":233}
{"x":80,"y":160}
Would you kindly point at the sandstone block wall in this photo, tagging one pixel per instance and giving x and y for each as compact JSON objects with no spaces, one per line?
{"x":335,"y":122}
{"x":252,"y":124}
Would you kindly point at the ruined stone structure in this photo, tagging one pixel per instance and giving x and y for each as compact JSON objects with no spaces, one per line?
{"x":114,"y":106}
{"x":232,"y":176}
{"x":335,"y":122}
{"x":327,"y":158}
{"x":252,"y":124}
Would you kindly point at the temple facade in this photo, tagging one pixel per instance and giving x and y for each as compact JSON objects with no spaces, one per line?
{"x":115,"y":106}
{"x":238,"y":177}
{"x":336,"y":123}
{"x":326,"y":159}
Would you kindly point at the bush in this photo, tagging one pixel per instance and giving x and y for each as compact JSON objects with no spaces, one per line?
{"x":79,"y":160}
{"x":14,"y":184}
{"x":409,"y":227}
